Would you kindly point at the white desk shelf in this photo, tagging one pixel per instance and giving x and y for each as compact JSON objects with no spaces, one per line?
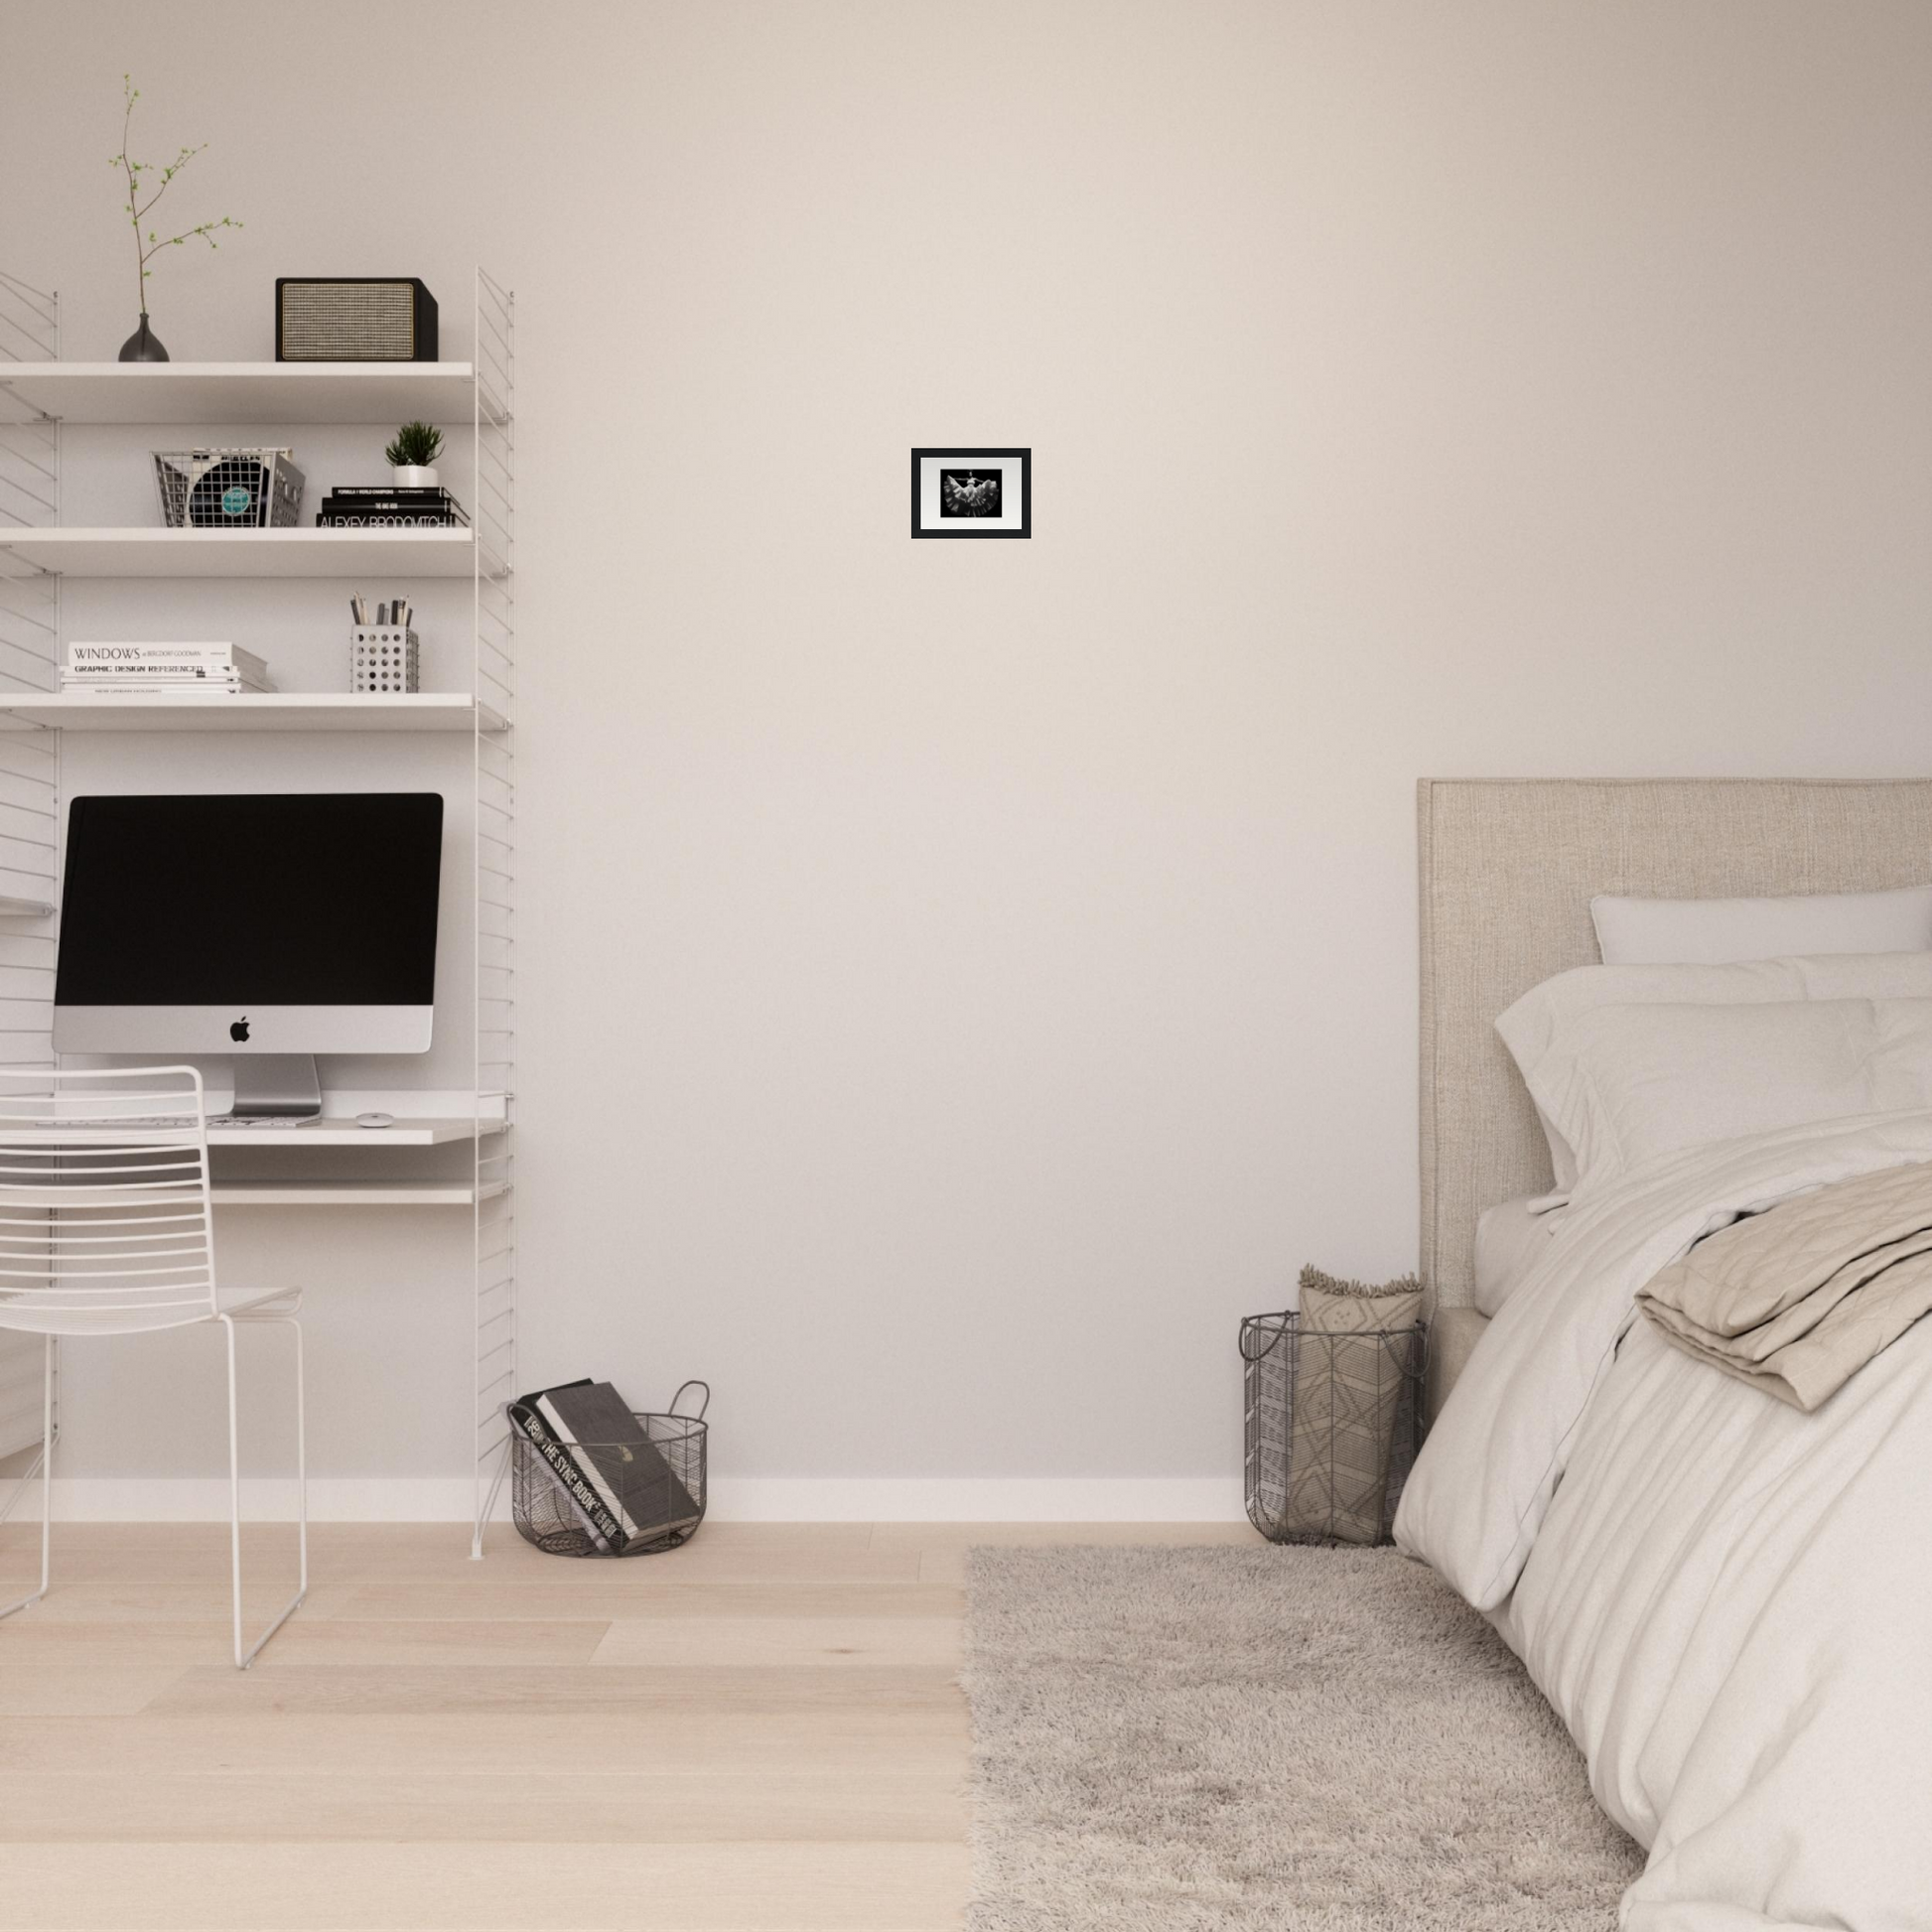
{"x":350,"y":1193}
{"x":437,"y":1132}
{"x":260,"y":711}
{"x":388,"y":554}
{"x":383,"y":393}
{"x":45,"y":560}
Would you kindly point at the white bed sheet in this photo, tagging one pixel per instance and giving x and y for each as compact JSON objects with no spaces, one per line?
{"x":1510,"y":1241}
{"x":1728,"y":1603}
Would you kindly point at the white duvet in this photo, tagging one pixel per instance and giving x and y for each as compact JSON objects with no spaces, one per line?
{"x":1728,"y":1601}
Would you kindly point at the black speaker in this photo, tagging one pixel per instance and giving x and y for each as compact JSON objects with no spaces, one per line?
{"x":354,"y":319}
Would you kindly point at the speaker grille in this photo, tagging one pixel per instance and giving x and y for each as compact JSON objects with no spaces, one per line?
{"x":348,"y":322}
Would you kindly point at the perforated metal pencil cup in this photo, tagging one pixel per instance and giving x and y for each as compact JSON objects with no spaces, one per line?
{"x":382,"y":658}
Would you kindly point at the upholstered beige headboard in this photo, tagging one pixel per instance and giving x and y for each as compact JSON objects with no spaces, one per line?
{"x":1507,"y":870}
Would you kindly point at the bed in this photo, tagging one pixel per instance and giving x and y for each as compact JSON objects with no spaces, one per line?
{"x":1727,"y":1602}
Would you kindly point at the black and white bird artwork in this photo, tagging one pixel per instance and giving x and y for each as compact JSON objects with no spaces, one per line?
{"x":969,"y":492}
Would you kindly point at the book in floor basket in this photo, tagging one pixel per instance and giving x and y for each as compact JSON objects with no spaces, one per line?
{"x":616,"y":1479}
{"x":599,"y":1525}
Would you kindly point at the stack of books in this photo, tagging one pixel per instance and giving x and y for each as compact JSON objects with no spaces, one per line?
{"x":201,"y":668}
{"x":381,"y":507}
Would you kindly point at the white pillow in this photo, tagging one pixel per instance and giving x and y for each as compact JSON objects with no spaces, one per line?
{"x":1530,"y":1028}
{"x":1714,"y":931}
{"x":1628,"y":1083}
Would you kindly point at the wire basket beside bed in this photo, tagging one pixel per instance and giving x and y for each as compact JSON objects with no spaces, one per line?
{"x":1333,"y":1426}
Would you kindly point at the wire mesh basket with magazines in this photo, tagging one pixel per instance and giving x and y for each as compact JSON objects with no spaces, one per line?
{"x":1334,"y":1424}
{"x":629,"y":1499}
{"x":228,"y":489}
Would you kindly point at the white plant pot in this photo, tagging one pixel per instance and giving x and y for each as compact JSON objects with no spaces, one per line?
{"x":413,"y":476}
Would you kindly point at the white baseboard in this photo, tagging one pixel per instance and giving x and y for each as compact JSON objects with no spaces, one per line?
{"x":734,"y":1499}
{"x":977,"y":1499}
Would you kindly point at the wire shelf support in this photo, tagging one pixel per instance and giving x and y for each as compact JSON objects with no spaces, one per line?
{"x":494,"y":890}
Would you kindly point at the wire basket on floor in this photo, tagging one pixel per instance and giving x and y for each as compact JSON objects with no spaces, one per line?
{"x":1334,"y":1424}
{"x":660,"y":1513}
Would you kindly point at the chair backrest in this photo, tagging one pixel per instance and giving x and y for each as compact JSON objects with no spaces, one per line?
{"x":104,"y":1210}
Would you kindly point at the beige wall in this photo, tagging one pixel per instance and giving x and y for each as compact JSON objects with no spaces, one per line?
{"x":959,"y":980}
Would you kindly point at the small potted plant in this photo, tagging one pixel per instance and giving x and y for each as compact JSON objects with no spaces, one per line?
{"x":412,"y":456}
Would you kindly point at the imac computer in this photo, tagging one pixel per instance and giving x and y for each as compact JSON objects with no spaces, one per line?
{"x":267,"y":926}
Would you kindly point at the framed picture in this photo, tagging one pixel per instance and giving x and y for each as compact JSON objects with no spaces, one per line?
{"x":972,"y":493}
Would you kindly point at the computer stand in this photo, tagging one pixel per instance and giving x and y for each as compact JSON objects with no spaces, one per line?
{"x":276,"y":1086}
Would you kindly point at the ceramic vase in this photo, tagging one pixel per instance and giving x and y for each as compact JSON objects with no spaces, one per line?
{"x":144,"y":345}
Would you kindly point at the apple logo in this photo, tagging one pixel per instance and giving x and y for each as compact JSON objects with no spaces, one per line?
{"x":239,"y":1031}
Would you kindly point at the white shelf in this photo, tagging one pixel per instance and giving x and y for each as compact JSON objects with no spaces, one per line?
{"x":390,"y":554}
{"x":260,"y":711}
{"x":384,"y":393}
{"x":348,"y":1194}
{"x":344,"y":1133}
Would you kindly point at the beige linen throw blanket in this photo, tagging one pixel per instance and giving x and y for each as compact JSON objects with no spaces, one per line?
{"x":1348,"y":1385}
{"x":1797,"y":1300}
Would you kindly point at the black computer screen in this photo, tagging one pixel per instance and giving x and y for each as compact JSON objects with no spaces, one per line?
{"x":275,"y":898}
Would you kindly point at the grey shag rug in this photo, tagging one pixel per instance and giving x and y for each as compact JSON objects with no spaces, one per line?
{"x":1297,"y":1739}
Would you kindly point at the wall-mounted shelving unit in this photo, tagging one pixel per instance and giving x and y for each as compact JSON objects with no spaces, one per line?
{"x":39,"y":394}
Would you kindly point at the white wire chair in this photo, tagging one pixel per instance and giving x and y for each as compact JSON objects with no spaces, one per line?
{"x":106,"y":1229}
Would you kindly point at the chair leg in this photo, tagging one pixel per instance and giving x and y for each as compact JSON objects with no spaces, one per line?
{"x":47,"y":1482}
{"x":242,"y":1659}
{"x":489,"y":1508}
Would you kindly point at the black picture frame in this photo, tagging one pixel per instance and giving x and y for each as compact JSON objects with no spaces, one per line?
{"x":969,"y":526}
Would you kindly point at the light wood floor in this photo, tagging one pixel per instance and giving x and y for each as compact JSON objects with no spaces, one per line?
{"x":759,"y":1732}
